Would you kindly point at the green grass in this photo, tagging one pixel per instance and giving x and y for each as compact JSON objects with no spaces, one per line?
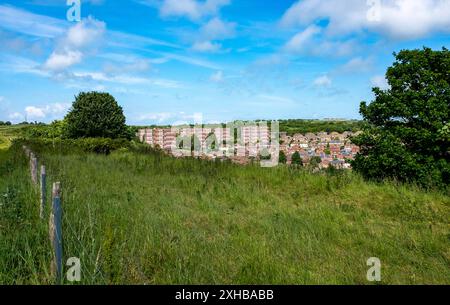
{"x":7,"y":134}
{"x":145,"y":218}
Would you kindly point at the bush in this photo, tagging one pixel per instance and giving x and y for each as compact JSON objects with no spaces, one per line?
{"x":282,"y":158}
{"x":68,"y":146}
{"x":96,"y":115}
{"x":315,"y":162}
{"x":55,"y":130}
{"x":297,"y":159}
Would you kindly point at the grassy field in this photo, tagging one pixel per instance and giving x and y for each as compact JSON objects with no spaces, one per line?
{"x":135,"y":217}
{"x":7,"y":134}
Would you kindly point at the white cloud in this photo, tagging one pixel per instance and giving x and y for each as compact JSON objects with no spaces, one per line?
{"x":72,"y":48}
{"x":125,"y":79}
{"x":357,"y":64}
{"x":34,"y":112}
{"x":215,"y":29}
{"x":311,"y":41}
{"x":21,"y":21}
{"x":322,"y":81}
{"x":380,"y":82}
{"x":301,"y":40}
{"x":192,"y":9}
{"x":218,"y":29}
{"x":206,"y":46}
{"x":217,"y":77}
{"x":20,"y":65}
{"x":84,"y":33}
{"x":398,"y":19}
{"x":175,"y":118}
{"x":58,"y":108}
{"x":191,"y":60}
{"x":52,"y":110}
{"x":135,"y":65}
{"x":16,"y":116}
{"x":62,"y":60}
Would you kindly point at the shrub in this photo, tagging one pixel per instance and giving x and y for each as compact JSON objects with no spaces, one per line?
{"x":57,"y":129}
{"x":92,"y":145}
{"x":95,"y":114}
{"x":297,"y":159}
{"x":315,"y":162}
{"x":282,"y":158}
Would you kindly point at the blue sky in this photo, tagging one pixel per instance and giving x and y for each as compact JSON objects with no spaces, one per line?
{"x":169,"y":61}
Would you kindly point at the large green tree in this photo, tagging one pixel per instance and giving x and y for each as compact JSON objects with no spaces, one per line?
{"x":95,"y":114}
{"x":407,"y":125}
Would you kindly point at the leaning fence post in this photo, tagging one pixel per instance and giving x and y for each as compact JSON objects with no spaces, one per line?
{"x":56,"y":232}
{"x":43,"y":191}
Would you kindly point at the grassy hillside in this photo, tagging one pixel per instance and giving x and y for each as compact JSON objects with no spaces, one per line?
{"x":135,"y":217}
{"x":304,"y":126}
{"x":7,"y":134}
{"x":294,"y":126}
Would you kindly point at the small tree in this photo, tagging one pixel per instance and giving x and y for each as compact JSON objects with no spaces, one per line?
{"x":297,"y":159}
{"x":95,"y":114}
{"x":406,"y":137}
{"x":315,"y":162}
{"x":282,"y":158}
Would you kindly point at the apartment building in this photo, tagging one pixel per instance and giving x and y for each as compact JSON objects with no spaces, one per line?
{"x":169,"y":139}
{"x":158,"y":137}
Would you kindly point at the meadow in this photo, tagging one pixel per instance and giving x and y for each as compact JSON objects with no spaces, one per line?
{"x":137,"y":216}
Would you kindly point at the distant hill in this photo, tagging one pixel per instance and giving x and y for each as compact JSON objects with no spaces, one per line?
{"x":304,"y":126}
{"x":294,"y":126}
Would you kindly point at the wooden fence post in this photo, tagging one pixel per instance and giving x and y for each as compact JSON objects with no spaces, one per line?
{"x":31,"y":165}
{"x":56,"y":232}
{"x":26,"y":151}
{"x":43,"y":191}
{"x":33,"y":168}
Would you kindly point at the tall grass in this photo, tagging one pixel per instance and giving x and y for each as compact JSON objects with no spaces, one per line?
{"x":24,"y":243}
{"x":141,"y":217}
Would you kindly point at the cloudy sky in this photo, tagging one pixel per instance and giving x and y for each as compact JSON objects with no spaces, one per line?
{"x":168,"y":61}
